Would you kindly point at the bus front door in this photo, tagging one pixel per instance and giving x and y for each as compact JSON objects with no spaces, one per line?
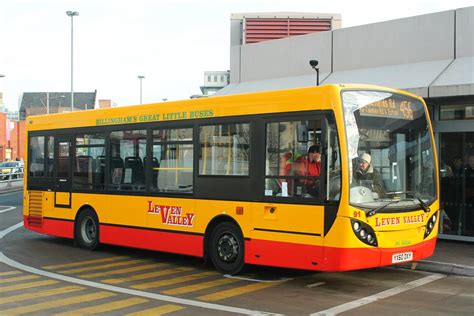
{"x":62,"y":152}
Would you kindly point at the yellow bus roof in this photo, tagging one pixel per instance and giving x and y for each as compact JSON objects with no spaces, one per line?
{"x":301,"y":99}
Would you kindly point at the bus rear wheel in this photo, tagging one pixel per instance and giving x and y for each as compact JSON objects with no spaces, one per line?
{"x":226,"y":248}
{"x":87,"y":230}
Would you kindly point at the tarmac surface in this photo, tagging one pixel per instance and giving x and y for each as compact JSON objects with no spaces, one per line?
{"x":450,"y":257}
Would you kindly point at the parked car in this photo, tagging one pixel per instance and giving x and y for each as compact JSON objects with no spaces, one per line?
{"x":14,"y":168}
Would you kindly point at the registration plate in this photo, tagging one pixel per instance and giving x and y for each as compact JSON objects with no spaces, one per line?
{"x":402,"y":257}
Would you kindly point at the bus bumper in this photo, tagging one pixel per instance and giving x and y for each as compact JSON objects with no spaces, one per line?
{"x":343,"y":259}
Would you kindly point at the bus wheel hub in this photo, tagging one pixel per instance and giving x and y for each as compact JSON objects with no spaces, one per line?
{"x":227,"y":248}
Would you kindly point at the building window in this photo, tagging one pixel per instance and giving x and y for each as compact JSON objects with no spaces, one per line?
{"x":225,"y":150}
{"x":457,"y":112}
{"x":209,"y":79}
{"x":215,"y":78}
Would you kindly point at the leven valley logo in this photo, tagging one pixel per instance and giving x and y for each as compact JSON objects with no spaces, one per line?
{"x":171,"y":215}
{"x":393,"y":221}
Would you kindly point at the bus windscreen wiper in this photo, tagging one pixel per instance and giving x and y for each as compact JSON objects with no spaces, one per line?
{"x":423,"y":205}
{"x":375,"y":210}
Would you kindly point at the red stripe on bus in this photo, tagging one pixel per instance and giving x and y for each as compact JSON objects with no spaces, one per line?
{"x":173,"y":242}
{"x":283,"y":254}
{"x":57,"y":227}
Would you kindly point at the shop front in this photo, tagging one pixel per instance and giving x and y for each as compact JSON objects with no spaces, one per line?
{"x":454,"y":128}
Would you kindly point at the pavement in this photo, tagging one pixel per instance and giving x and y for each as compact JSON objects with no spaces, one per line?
{"x":450,"y":257}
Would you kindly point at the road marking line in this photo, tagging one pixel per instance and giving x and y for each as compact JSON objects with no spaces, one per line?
{"x":175,"y":280}
{"x":379,"y":296}
{"x":25,"y":286}
{"x":29,"y":296}
{"x":255,"y":280}
{"x":122,"y":271}
{"x":107,"y":307}
{"x":146,"y":275}
{"x":35,"y":308}
{"x":10,"y":273}
{"x":102,"y":267}
{"x":198,"y":287}
{"x":159,"y":297}
{"x":9,"y":208}
{"x":235,"y":291}
{"x":20,"y":278}
{"x":5,"y":232}
{"x":165,"y":309}
{"x":315,"y":284}
{"x":81,"y":263}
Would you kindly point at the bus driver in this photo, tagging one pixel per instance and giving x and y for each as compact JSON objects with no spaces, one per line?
{"x":366,"y":175}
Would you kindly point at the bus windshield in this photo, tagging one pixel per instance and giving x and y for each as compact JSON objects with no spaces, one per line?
{"x":391,"y":159}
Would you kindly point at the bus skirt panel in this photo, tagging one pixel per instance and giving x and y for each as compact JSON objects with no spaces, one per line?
{"x":51,"y":226}
{"x":160,"y":240}
{"x":283,"y":254}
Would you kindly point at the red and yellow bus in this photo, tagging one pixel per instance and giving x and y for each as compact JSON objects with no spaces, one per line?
{"x":217,"y":178}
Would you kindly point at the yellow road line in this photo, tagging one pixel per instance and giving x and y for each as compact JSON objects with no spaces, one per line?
{"x":146,"y":275}
{"x":102,"y":267}
{"x":122,"y":271}
{"x":35,"y":308}
{"x":165,"y":309}
{"x":25,"y":286}
{"x":198,"y":287}
{"x":9,"y":273}
{"x":103,"y":308}
{"x":30,"y":296}
{"x":20,"y":278}
{"x":81,"y":263}
{"x":173,"y":280}
{"x":236,"y":291}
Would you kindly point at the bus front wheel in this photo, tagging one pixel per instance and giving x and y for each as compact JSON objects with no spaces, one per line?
{"x":226,"y":248}
{"x":87,"y":230}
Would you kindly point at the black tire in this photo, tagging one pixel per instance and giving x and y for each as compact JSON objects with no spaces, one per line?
{"x":86,"y":232}
{"x":226,"y":248}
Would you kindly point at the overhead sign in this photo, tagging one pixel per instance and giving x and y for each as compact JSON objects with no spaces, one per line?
{"x":389,"y":108}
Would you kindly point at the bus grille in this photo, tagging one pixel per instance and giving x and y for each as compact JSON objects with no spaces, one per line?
{"x":35,"y":209}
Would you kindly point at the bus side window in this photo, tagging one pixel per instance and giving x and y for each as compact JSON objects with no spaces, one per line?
{"x":293,"y":165}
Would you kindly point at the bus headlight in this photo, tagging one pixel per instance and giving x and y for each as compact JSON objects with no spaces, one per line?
{"x":364,"y":232}
{"x":431,"y":224}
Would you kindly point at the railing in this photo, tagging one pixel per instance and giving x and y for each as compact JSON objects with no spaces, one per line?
{"x":9,"y":180}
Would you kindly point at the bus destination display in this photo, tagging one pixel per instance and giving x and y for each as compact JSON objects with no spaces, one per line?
{"x":389,"y":108}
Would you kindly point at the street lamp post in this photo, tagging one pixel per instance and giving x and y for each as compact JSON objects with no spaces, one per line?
{"x":141,"y":77}
{"x":72,"y":14}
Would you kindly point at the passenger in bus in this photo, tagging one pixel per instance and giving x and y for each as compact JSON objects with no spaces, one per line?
{"x":366,"y":175}
{"x":310,"y":166}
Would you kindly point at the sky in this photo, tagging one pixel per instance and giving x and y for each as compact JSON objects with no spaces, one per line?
{"x":170,"y":42}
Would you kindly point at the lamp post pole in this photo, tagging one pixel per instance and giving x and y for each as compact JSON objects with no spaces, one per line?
{"x":314,"y":64}
{"x":141,"y":78}
{"x":72,"y":14}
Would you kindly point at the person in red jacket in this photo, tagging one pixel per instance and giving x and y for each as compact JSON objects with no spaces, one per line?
{"x":310,"y":166}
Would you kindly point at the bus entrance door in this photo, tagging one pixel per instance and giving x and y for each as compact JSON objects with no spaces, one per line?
{"x":62,"y":152}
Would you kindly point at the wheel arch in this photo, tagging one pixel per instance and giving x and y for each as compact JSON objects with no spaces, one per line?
{"x":82,"y":209}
